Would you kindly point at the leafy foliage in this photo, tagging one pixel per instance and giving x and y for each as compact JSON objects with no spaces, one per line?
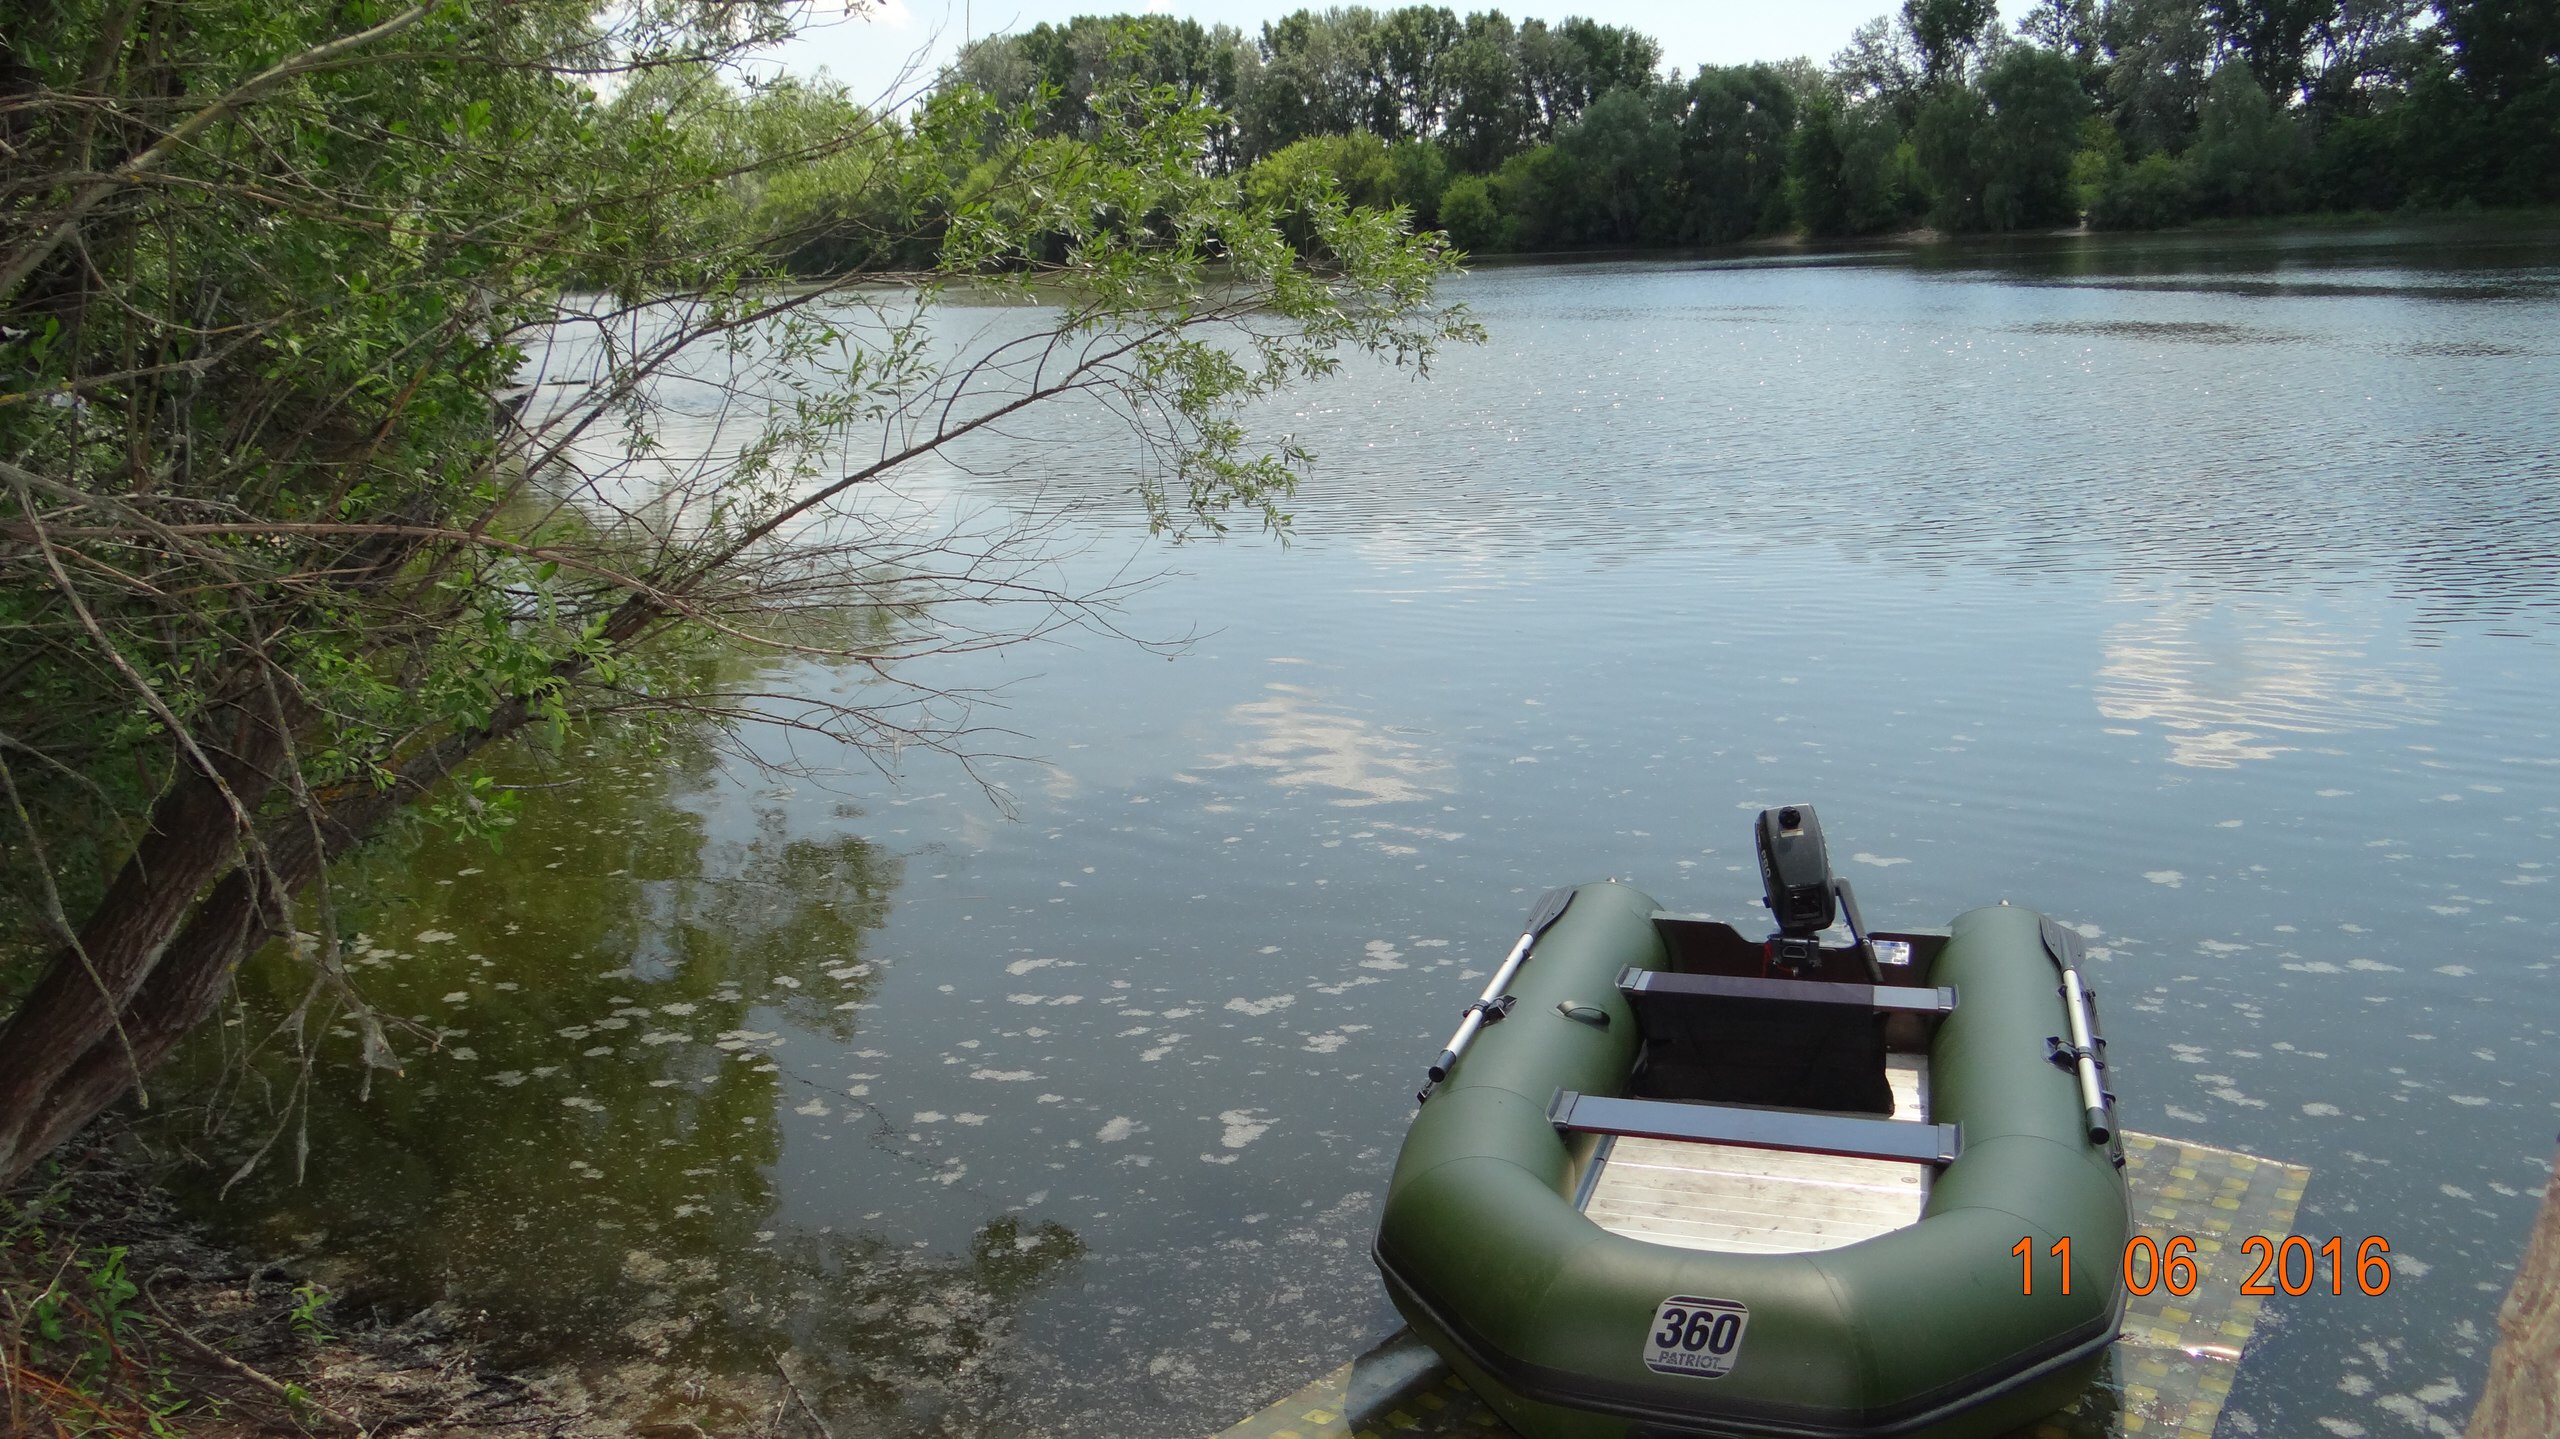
{"x":2036,"y":111}
{"x":350,"y":359}
{"x":2248,"y":154}
{"x":1733,"y":150}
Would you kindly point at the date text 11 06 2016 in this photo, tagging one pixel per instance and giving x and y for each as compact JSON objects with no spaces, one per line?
{"x":2293,"y":1265}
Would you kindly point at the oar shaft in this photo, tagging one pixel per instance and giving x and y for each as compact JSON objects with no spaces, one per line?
{"x":1474,"y":1021}
{"x":2093,"y":1095}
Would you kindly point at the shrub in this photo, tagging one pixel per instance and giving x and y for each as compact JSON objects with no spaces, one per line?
{"x":1470,"y":217}
{"x":2157,"y":193}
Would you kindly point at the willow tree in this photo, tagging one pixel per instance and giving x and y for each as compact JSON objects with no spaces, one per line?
{"x":342,"y":346}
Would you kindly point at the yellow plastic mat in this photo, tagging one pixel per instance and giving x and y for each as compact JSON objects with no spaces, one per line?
{"x":2167,"y":1378}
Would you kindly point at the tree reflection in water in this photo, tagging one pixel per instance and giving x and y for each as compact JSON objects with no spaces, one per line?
{"x":579,"y":1156}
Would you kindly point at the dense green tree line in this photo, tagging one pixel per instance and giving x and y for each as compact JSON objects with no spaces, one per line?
{"x":2128,"y":113}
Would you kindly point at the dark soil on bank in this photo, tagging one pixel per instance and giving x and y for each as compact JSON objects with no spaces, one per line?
{"x":119,"y":1317}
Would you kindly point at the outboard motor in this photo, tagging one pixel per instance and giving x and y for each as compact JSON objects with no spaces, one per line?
{"x":1802,"y":893}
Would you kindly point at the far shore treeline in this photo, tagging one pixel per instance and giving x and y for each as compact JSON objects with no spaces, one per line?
{"x":1525,"y":136}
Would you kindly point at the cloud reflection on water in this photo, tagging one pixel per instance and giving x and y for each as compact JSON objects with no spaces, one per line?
{"x":1301,"y":739}
{"x":2229,"y":682}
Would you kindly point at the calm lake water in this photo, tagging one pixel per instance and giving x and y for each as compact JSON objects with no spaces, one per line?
{"x":2199,"y":590}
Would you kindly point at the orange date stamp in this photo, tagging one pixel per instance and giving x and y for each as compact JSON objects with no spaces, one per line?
{"x":2292,"y":1265}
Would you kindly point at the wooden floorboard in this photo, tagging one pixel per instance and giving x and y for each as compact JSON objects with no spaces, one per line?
{"x":1734,"y":1199}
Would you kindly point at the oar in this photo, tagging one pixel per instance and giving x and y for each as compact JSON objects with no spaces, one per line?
{"x":2064,"y":946}
{"x":1495,"y":1003}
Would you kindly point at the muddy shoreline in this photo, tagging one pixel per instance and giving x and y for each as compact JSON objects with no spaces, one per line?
{"x":121,"y":1315}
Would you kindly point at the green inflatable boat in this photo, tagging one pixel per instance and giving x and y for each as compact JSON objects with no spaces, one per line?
{"x":1668,"y":1180}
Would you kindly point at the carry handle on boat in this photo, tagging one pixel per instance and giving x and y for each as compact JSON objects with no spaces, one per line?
{"x":1495,"y":1004}
{"x":2081,"y":1053}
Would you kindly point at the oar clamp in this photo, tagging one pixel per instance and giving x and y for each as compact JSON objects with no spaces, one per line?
{"x":1493,"y":1010}
{"x":2066,"y":1055}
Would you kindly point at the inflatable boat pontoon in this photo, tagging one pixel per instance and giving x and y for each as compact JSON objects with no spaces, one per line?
{"x":1671,"y":1181}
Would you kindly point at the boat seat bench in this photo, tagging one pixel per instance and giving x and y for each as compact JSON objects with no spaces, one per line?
{"x":1643,"y":985}
{"x":1810,"y":1044}
{"x":1847,"y":1136}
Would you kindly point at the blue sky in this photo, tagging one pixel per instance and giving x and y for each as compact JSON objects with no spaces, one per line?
{"x":913,"y":37}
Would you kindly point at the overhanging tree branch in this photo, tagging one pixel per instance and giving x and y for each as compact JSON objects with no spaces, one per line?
{"x":15,"y":270}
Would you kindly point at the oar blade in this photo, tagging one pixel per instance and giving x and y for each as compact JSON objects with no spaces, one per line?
{"x":1549,"y":908}
{"x":2061,"y":943}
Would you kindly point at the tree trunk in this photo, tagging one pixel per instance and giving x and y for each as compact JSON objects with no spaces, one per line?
{"x":180,"y":994}
{"x":192,"y":838}
{"x":2522,"y":1397}
{"x":194,"y":967}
